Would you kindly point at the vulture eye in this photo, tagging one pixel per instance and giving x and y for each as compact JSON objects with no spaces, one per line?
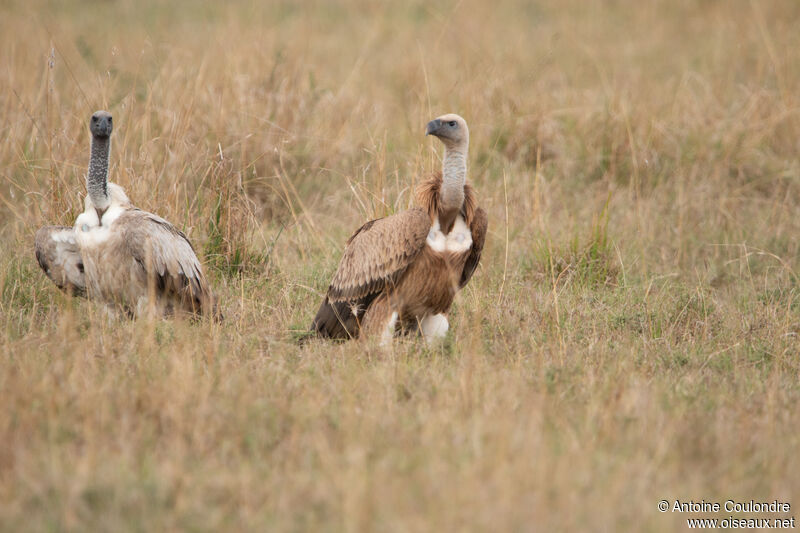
{"x":452,"y":123}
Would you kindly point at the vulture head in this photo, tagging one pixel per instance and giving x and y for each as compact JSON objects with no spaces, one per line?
{"x":101,"y":125}
{"x":451,"y":129}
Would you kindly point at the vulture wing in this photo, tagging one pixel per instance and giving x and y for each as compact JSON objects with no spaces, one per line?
{"x":341,"y":320}
{"x":59,"y":256}
{"x":167,"y":257}
{"x":478,"y":229}
{"x":378,"y":253}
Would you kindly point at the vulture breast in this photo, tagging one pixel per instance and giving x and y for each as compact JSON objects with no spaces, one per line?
{"x":459,"y":239}
{"x":90,"y":231}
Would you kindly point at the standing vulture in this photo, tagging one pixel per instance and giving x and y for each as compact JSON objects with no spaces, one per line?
{"x":400,"y":273}
{"x":129,"y":259}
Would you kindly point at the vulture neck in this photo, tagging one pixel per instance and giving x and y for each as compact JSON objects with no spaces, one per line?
{"x":454,"y":175}
{"x":97,"y":178}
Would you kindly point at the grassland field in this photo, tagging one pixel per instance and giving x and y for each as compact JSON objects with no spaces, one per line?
{"x":630,"y":336}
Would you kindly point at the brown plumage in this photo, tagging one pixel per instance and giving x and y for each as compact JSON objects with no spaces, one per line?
{"x":478,"y":225}
{"x":401,"y":273}
{"x":427,"y":196}
{"x":378,"y":253}
{"x":428,"y":193}
{"x":375,"y":258}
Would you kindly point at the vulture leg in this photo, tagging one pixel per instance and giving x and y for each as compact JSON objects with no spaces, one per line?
{"x":380,"y":320}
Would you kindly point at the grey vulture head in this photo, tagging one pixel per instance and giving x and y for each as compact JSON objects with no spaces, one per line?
{"x":451,"y":129}
{"x":101,"y":124}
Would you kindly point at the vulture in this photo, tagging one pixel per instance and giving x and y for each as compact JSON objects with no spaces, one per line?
{"x":131,"y":260}
{"x":399,"y":274}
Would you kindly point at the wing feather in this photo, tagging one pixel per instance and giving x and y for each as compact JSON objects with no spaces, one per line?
{"x":378,"y":253}
{"x":58,"y":254}
{"x":478,"y":226}
{"x":167,"y":256}
{"x":341,"y":320}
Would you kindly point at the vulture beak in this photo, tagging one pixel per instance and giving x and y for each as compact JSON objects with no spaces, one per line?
{"x":102,"y":128}
{"x":433,"y":127}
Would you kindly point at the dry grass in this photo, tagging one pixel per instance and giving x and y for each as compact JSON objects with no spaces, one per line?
{"x":631,"y":335}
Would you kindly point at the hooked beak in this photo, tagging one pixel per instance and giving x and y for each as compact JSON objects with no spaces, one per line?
{"x":104,"y":128}
{"x":101,"y":124}
{"x":433,"y":127}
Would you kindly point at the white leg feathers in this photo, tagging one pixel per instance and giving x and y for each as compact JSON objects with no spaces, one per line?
{"x":434,"y":327}
{"x":388,"y":333}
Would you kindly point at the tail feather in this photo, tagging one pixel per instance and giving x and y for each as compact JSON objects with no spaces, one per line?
{"x":337,"y":320}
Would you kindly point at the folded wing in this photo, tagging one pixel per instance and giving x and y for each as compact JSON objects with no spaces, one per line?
{"x":378,"y":253}
{"x":374,"y":258}
{"x":59,"y":256}
{"x":478,"y":226}
{"x":168,"y":259}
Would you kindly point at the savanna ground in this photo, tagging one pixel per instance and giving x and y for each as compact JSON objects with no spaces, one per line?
{"x":630,"y":336}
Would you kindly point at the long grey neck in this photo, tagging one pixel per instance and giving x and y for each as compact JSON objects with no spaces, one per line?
{"x":454,"y":175}
{"x":97,"y":178}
